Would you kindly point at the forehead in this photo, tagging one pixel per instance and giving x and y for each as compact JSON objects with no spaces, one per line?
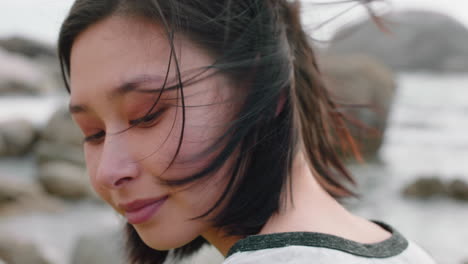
{"x":116,"y":47}
{"x":120,"y":48}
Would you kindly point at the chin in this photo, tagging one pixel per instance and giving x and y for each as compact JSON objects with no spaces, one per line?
{"x":163,"y":241}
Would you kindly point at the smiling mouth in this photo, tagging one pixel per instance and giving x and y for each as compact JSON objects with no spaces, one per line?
{"x":140,"y":211}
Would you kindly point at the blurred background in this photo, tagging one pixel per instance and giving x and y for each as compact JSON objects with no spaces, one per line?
{"x":412,"y":73}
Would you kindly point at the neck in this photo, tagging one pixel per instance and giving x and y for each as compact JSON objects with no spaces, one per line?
{"x":220,"y":241}
{"x":312,"y":209}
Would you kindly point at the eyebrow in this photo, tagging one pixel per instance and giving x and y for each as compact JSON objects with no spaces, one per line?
{"x":131,"y":85}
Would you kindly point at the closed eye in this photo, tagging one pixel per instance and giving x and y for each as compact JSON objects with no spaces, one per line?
{"x":147,"y":120}
{"x":95,"y":138}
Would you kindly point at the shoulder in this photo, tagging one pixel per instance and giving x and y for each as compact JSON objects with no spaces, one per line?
{"x":306,"y":255}
{"x":415,"y":254}
{"x":302,"y":247}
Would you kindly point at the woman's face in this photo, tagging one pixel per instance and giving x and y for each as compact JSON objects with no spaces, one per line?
{"x":116,"y":66}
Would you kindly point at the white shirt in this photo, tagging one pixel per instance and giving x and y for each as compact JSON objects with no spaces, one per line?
{"x":319,"y":248}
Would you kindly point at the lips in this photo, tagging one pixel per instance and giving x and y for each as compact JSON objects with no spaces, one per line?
{"x":140,"y":211}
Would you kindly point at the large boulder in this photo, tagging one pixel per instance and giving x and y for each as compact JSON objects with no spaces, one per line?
{"x":61,"y":140}
{"x":62,"y":129}
{"x":61,"y":165}
{"x":16,"y":250}
{"x":65,"y":180}
{"x":27,"y":47}
{"x":20,"y":197}
{"x":458,"y":190}
{"x":426,"y":187}
{"x":28,"y":66}
{"x":20,"y":75}
{"x":55,"y":151}
{"x":16,"y":137}
{"x":368,"y":85}
{"x":418,"y":41}
{"x":89,"y":248}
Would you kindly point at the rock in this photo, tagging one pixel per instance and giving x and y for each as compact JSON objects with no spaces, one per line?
{"x":65,"y":180}
{"x":13,"y":190}
{"x":51,"y":67}
{"x":52,"y":151}
{"x":23,"y":75}
{"x":19,"y":75}
{"x":458,"y":189}
{"x":426,"y":187}
{"x":61,"y":129}
{"x":16,"y":137}
{"x":419,"y":41}
{"x":89,"y":248}
{"x":61,"y":140}
{"x":363,"y":81}
{"x":27,"y":47}
{"x":15,"y":250}
{"x":3,"y":147}
{"x":19,"y":197}
{"x":61,"y":160}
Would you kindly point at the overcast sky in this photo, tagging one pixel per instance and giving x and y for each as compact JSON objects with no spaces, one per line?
{"x":41,"y":19}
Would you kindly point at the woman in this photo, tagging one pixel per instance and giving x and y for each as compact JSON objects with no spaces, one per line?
{"x":208,"y":122}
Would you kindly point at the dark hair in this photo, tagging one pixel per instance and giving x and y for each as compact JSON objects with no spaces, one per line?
{"x":244,"y":36}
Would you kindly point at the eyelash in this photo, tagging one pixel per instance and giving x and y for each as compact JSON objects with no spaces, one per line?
{"x":147,"y":120}
{"x":94,"y":137}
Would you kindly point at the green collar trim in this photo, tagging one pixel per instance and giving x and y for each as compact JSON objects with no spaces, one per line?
{"x":390,"y":247}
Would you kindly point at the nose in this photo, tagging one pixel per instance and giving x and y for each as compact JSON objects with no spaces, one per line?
{"x":117,"y":168}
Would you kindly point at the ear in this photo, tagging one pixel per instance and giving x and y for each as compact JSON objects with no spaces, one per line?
{"x":280,"y":105}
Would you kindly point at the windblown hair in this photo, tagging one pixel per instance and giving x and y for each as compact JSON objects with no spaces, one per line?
{"x":263,"y":37}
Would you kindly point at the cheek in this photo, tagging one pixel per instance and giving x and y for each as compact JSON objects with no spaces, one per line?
{"x":91,"y":161}
{"x":208,"y":113}
{"x":201,"y":196}
{"x":92,"y":157}
{"x":203,"y":127}
{"x":205,"y":194}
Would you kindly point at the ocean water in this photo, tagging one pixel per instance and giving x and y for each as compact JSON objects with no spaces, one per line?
{"x":427,"y":134}
{"x":429,"y":125}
